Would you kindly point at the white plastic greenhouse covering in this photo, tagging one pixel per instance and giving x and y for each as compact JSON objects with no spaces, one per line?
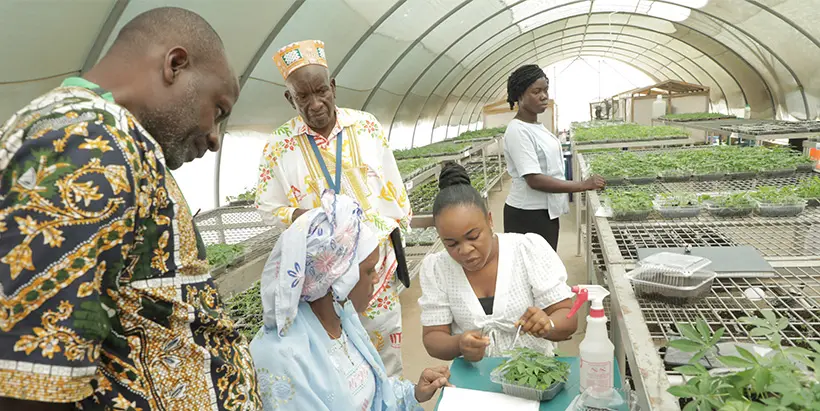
{"x":425,"y":68}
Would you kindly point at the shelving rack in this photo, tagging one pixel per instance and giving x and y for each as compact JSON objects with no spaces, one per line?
{"x":641,"y":328}
{"x":777,"y":128}
{"x":577,"y":171}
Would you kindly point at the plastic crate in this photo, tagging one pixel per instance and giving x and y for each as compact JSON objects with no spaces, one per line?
{"x":521,"y":391}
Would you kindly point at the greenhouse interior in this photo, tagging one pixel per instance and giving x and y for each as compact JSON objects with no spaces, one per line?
{"x":700,"y":119}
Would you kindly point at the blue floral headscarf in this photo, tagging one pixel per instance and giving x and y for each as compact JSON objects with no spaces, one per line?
{"x":320,"y":252}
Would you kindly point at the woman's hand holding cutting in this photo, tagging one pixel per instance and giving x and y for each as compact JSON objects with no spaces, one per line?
{"x":473,"y":345}
{"x":535,"y":322}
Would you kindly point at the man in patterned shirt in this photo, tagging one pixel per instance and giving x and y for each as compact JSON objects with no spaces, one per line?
{"x":105,"y":297}
{"x":345,"y":150}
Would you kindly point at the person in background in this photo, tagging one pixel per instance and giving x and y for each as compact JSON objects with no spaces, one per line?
{"x":344,"y":150}
{"x":535,"y":161}
{"x":313,"y":352}
{"x":106,"y":298}
{"x":477,"y":292}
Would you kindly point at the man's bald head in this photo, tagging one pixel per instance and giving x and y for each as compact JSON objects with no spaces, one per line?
{"x":168,"y":67}
{"x":168,"y":27}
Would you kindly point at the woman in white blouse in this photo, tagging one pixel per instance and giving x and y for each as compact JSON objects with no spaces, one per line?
{"x":476,"y":293}
{"x":535,"y":161}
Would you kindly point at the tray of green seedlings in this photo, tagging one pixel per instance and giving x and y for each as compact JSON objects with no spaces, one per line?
{"x":702,"y":164}
{"x":223,"y":256}
{"x":480,"y":135}
{"x":422,"y":196}
{"x":476,"y":172}
{"x":629,"y":205}
{"x":729,"y":205}
{"x":443,"y":148}
{"x":531,"y":374}
{"x":809,"y":190}
{"x":677,"y":205}
{"x":421,"y":237}
{"x":411,"y":167}
{"x":685,"y":117}
{"x":626,"y":132}
{"x":778,"y":202}
{"x":245,"y":309}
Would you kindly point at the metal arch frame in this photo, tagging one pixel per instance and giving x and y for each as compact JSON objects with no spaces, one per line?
{"x":491,"y":83}
{"x":657,"y":44}
{"x":105,"y":32}
{"x":741,"y":58}
{"x":588,"y":52}
{"x":509,"y":6}
{"x":493,"y":78}
{"x":370,"y":30}
{"x":765,"y":47}
{"x":246,"y":74}
{"x":740,"y":87}
{"x":728,"y":72}
{"x":787,"y":21}
{"x":409,"y":49}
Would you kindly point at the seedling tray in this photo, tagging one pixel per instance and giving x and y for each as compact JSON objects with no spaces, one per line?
{"x":522,"y":391}
{"x":805,"y":168}
{"x":637,"y":215}
{"x":741,"y":175}
{"x":780,"y":210}
{"x":616,"y":181}
{"x":671,"y":177}
{"x":786,"y":172}
{"x":687,"y":290}
{"x":642,"y":180}
{"x":813,"y":202}
{"x":678,"y":212}
{"x":710,"y":177}
{"x":730,"y":212}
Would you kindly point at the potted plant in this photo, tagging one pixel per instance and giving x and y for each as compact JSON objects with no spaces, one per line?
{"x":677,"y":205}
{"x":729,"y":205}
{"x":629,"y":205}
{"x":783,"y":379}
{"x":778,"y":202}
{"x":530,"y":374}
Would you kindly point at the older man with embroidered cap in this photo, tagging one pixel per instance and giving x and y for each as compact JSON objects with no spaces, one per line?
{"x":327,"y":147}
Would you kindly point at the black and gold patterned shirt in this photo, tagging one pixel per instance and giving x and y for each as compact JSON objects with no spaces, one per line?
{"x":105,"y":295}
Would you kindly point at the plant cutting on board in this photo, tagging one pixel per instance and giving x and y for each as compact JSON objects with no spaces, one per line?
{"x":529,"y":368}
{"x":785,"y":379}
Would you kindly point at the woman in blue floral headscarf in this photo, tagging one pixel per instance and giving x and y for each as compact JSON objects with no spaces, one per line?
{"x":313,"y":352}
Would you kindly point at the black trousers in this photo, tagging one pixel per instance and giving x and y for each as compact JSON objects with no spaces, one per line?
{"x":521,"y":221}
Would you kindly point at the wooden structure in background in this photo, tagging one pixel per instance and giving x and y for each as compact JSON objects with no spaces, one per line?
{"x":635,"y":106}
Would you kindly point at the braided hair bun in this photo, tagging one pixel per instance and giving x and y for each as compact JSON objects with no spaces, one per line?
{"x":452,"y":174}
{"x":521,"y":79}
{"x":455,"y":189}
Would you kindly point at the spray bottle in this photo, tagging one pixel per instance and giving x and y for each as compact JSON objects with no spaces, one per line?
{"x":597,"y":351}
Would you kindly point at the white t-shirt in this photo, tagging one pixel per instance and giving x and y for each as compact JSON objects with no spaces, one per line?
{"x":530,"y":273}
{"x":532,"y":149}
{"x":355,"y":370}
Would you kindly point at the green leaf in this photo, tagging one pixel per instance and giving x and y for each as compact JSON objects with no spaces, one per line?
{"x":735,"y":362}
{"x":689,"y":370}
{"x":683,"y":391}
{"x":685,"y":345}
{"x":746,"y":354}
{"x":736,"y":405}
{"x":703,"y":329}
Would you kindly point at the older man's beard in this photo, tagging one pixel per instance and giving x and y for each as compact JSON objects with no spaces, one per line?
{"x":173,"y":128}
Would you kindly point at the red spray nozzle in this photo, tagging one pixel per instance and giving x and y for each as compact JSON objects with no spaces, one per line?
{"x":583,"y":296}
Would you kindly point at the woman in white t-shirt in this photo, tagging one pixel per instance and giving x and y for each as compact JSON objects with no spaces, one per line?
{"x":535,"y":161}
{"x":477,"y":292}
